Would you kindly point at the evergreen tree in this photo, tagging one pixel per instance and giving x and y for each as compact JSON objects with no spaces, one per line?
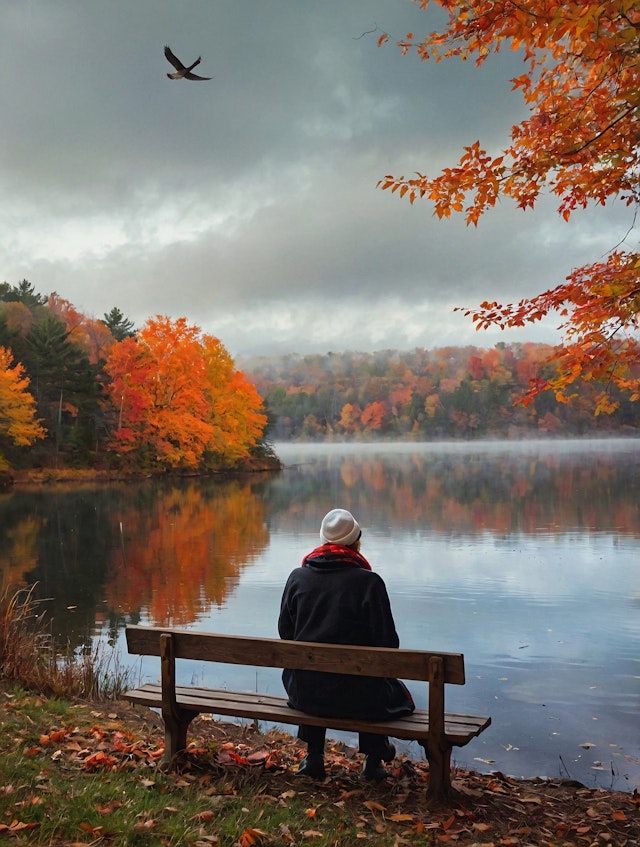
{"x":23,"y":292}
{"x":64,"y":384}
{"x":119,"y":326}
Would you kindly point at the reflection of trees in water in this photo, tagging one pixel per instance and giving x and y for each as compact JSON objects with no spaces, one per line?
{"x":49,"y":536}
{"x":185,"y":550}
{"x":465,"y":492}
{"x":18,"y":545}
{"x":187,"y":541}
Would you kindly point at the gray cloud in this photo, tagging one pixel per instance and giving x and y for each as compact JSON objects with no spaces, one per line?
{"x":249,"y":204}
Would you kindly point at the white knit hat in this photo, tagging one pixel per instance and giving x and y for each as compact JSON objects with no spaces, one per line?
{"x":339,"y":527}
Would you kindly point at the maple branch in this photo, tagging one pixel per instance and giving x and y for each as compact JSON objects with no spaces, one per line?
{"x":529,"y":12}
{"x":599,"y":135}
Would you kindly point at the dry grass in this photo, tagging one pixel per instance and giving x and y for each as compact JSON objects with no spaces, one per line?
{"x":30,"y":656}
{"x":22,"y":635}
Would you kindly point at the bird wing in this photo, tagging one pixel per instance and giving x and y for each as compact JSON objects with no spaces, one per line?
{"x":177,"y":64}
{"x":189,"y":75}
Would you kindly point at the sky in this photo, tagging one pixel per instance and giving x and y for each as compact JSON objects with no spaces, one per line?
{"x":248,"y":204}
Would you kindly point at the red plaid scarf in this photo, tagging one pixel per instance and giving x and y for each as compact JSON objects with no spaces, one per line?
{"x":340,"y":553}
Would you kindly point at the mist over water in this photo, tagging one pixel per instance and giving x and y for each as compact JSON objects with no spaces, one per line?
{"x":522,"y":556}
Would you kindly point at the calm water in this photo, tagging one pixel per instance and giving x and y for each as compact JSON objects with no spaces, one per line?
{"x":525,"y":557}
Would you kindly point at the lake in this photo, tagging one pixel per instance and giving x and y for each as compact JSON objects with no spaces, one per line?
{"x":523,"y":556}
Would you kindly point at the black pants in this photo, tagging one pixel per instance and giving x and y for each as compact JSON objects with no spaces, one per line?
{"x":369,"y":743}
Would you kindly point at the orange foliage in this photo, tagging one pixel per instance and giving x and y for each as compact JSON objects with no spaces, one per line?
{"x":350,"y":417}
{"x":91,"y":336}
{"x":431,"y":404}
{"x":157,"y":383}
{"x":178,"y":397}
{"x":580,"y":81}
{"x":17,"y":316}
{"x":18,"y":420}
{"x":235,"y":405}
{"x":373,"y":415}
{"x":400,"y":397}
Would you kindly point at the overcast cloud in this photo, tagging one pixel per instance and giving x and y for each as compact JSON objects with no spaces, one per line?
{"x":248,"y":204}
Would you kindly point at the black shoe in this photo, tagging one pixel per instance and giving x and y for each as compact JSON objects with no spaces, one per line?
{"x":373,"y":770}
{"x":313,"y":766}
{"x":389,"y":754}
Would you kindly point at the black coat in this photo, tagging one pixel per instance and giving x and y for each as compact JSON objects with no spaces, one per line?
{"x":338,"y":602}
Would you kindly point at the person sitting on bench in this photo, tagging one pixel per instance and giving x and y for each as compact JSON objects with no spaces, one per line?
{"x":336,"y":598}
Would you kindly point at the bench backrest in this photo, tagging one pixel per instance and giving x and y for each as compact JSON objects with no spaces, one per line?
{"x":306,"y":655}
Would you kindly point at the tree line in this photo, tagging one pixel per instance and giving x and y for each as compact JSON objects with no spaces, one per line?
{"x":448,"y":392}
{"x":84,"y":392}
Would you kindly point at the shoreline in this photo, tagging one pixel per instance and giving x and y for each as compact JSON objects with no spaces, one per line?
{"x":35,"y":478}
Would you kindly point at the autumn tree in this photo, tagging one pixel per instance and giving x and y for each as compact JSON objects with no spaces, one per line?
{"x":92,"y":336}
{"x":20,"y":308}
{"x":235,"y":407}
{"x":350,"y":417}
{"x":373,"y":416}
{"x":177,"y":398}
{"x":156,"y":389}
{"x":16,"y":318}
{"x":581,"y":80}
{"x":18,"y":422}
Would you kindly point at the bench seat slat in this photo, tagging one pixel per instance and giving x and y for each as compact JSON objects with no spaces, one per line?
{"x":459,"y":729}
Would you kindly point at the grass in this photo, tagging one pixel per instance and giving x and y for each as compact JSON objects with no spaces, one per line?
{"x":58,"y":798}
{"x":72,"y":775}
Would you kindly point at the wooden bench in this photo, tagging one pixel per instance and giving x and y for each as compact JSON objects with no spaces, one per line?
{"x":435,"y":730}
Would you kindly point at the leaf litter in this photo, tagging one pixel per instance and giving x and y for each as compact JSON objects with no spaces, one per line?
{"x":486,"y":810}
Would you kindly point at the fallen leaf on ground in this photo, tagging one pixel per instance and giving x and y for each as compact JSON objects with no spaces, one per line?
{"x":251,"y":836}
{"x":203,"y":817}
{"x":375,"y":807}
{"x":16,"y":826}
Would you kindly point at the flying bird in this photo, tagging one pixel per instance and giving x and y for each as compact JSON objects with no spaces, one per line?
{"x":181,"y":71}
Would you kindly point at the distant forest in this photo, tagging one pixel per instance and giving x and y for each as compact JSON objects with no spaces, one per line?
{"x":448,"y":392}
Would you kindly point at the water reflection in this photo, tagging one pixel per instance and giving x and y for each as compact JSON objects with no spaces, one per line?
{"x":166,"y":551}
{"x":461,"y":489}
{"x":522,"y":556}
{"x":184,"y":551}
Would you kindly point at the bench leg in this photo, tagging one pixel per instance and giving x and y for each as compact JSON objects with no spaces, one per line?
{"x":176,"y":725}
{"x":439,"y":787}
{"x":437,"y":748}
{"x":176,"y":720}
